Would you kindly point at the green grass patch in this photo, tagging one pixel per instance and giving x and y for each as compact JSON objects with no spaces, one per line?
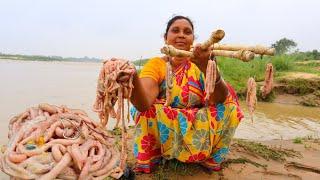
{"x":171,"y":169}
{"x":242,"y":160}
{"x":306,"y":69}
{"x":266,"y":152}
{"x":269,"y":98}
{"x":300,"y":86}
{"x":310,"y":100}
{"x":116,"y":131}
{"x":297,"y":140}
{"x":237,"y":72}
{"x":140,"y":62}
{"x":283,"y":62}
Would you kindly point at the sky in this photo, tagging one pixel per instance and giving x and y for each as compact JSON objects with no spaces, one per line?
{"x":134,"y":28}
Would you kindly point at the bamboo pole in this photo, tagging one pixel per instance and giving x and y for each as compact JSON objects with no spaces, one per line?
{"x":243,"y":55}
{"x":256,"y":49}
{"x":172,"y":51}
{"x":215,"y":37}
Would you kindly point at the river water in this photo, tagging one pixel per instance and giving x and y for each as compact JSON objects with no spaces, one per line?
{"x":28,"y":83}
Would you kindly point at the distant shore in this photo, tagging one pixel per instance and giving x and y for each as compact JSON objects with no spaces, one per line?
{"x":19,"y":57}
{"x":47,"y":58}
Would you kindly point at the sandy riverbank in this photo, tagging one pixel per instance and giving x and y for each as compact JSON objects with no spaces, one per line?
{"x":272,"y":159}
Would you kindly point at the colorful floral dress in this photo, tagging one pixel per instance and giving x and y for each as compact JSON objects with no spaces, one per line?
{"x":187,"y":129}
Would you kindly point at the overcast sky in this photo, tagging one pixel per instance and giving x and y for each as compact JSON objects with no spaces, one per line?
{"x":134,"y":28}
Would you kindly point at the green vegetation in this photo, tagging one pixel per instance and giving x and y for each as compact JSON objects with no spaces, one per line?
{"x":309,"y":55}
{"x":46,"y":58}
{"x":174,"y":169}
{"x":237,"y":72}
{"x":140,"y":62}
{"x":312,"y":100}
{"x":297,"y":140}
{"x":266,"y":152}
{"x":300,"y":86}
{"x":284,"y":45}
{"x":242,"y":160}
{"x":269,"y":98}
{"x":170,"y":169}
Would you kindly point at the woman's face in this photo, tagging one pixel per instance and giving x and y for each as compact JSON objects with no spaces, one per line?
{"x":180,"y":35}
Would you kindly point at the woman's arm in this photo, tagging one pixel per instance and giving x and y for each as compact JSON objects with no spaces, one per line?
{"x":220,"y":91}
{"x":144,"y":93}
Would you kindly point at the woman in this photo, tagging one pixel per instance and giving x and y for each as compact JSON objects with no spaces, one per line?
{"x":188,"y":129}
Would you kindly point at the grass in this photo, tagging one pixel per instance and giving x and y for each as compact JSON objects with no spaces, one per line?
{"x":297,"y":140}
{"x":266,"y":152}
{"x":311,"y":68}
{"x":242,"y":160}
{"x":310,"y":101}
{"x":140,"y":62}
{"x":269,"y":98}
{"x":300,"y":86}
{"x":170,"y":169}
{"x":116,"y":131}
{"x":237,"y":72}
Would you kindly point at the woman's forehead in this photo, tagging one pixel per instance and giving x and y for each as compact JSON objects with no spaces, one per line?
{"x":182,"y":23}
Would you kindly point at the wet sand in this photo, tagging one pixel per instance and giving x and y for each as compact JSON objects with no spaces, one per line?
{"x":243,"y":164}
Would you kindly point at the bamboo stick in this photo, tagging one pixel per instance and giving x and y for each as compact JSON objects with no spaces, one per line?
{"x":172,"y":51}
{"x":243,"y":55}
{"x":256,"y":49}
{"x":215,"y":37}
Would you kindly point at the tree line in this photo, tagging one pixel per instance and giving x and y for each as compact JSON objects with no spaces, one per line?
{"x":287,"y":46}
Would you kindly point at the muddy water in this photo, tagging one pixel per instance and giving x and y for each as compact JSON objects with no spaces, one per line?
{"x":26,"y":83}
{"x":279,"y":121}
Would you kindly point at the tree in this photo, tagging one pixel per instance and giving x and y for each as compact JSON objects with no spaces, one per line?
{"x":316,"y":54}
{"x":284,"y":45}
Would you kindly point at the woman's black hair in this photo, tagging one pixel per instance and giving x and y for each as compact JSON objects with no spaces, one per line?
{"x":173,"y":19}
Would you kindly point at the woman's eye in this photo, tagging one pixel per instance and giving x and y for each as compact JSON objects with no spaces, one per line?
{"x":188,"y":32}
{"x":175,"y":30}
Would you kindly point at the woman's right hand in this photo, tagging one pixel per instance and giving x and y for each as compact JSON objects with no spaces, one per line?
{"x":201,"y":55}
{"x":125,"y":75}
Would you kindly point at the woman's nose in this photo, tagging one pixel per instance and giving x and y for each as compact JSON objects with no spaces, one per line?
{"x":181,"y":34}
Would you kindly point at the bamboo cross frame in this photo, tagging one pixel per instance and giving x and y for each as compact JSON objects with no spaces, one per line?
{"x":244,"y":53}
